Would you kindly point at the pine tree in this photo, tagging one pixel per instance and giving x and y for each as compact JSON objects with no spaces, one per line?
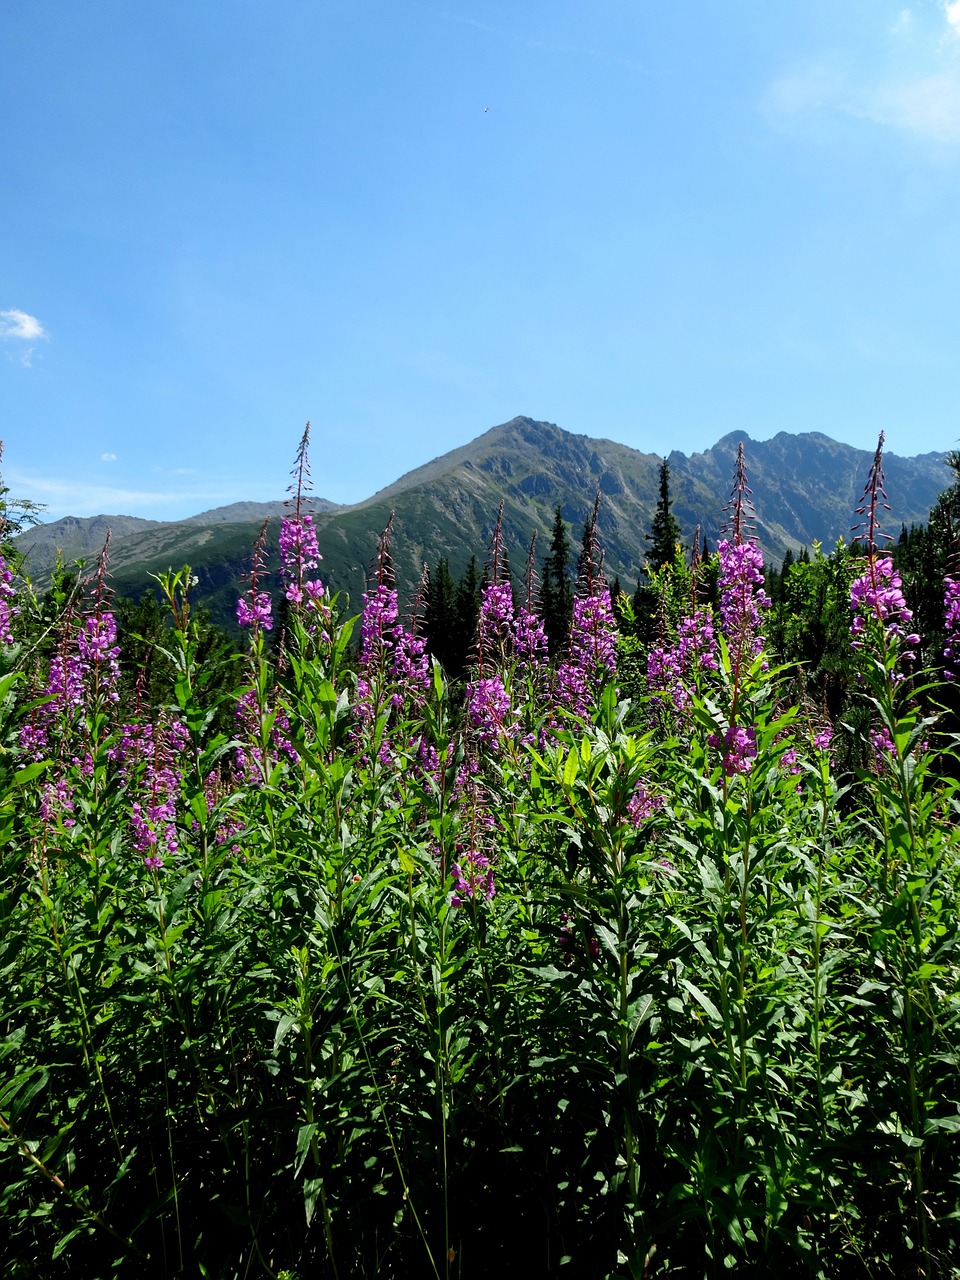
{"x":556,"y":597}
{"x":665,"y":531}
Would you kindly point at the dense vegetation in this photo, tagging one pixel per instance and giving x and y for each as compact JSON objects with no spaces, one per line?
{"x":632,"y":952}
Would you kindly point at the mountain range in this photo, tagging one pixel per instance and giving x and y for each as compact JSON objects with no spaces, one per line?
{"x":805,"y":488}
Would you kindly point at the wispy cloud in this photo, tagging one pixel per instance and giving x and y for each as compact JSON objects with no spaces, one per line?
{"x":916,"y":92}
{"x":108,"y":457}
{"x":532,"y":42}
{"x":19,"y":326}
{"x":929,"y":107}
{"x":76,"y":498}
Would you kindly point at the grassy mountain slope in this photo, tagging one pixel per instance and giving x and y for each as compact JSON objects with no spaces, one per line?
{"x":805,"y":487}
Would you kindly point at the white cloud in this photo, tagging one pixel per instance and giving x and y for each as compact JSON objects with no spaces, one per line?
{"x":108,"y":457}
{"x":915,"y":90}
{"x":17,"y":324}
{"x":79,"y":499}
{"x":61,"y":497}
{"x":929,"y":107}
{"x":925,"y":107}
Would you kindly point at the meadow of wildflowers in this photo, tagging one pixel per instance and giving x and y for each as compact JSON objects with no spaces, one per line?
{"x":635,"y":961}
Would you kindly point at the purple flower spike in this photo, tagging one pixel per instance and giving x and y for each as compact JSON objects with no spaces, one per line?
{"x":299,"y":553}
{"x":99,"y":651}
{"x":951,"y":625}
{"x":472,"y":877}
{"x":739,"y":747}
{"x":488,"y":710}
{"x":673,"y":669}
{"x":8,"y":610}
{"x":255,"y":610}
{"x":147,"y":757}
{"x":643,"y":805}
{"x":529,"y":637}
{"x":379,"y":618}
{"x":410,"y":671}
{"x":494,"y":639}
{"x":742,"y":598}
{"x":593,"y":652}
{"x":876,"y":597}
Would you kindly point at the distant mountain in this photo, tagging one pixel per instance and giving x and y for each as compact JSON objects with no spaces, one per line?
{"x":239,"y":512}
{"x":77,"y":538}
{"x":805,"y":488}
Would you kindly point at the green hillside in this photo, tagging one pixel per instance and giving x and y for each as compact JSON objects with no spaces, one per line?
{"x":805,"y":487}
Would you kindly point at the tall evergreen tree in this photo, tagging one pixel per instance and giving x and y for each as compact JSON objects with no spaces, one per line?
{"x":556,"y":596}
{"x":665,"y":531}
{"x":466,"y":613}
{"x":440,"y":622}
{"x":646,"y":611}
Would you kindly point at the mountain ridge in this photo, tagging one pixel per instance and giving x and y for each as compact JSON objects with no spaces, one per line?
{"x":805,"y":488}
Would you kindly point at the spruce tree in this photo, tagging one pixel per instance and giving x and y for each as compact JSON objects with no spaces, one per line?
{"x":646,"y":612}
{"x":466,"y":613}
{"x":556,"y":598}
{"x":665,"y":531}
{"x":440,"y":621}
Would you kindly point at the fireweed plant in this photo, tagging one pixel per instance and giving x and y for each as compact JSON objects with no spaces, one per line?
{"x":588,"y":968}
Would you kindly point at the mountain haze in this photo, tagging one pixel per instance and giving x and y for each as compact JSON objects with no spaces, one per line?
{"x":805,"y":488}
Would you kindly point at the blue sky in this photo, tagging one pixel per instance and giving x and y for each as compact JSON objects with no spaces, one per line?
{"x":409,"y":222}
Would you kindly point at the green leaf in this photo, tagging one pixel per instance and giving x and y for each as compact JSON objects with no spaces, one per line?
{"x":311,"y":1194}
{"x":950,"y":1123}
{"x":28,"y":772}
{"x":283,"y":1026}
{"x":638,"y":1013}
{"x":304,"y":1138}
{"x":704,"y":1001}
{"x":548,"y":971}
{"x":609,"y":940}
{"x":62,"y":1243}
{"x":177,"y":895}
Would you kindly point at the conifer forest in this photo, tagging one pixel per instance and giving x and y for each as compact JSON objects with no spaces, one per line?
{"x":536,"y":926}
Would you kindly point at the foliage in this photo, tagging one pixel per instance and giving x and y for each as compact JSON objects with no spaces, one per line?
{"x":311,"y":969}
